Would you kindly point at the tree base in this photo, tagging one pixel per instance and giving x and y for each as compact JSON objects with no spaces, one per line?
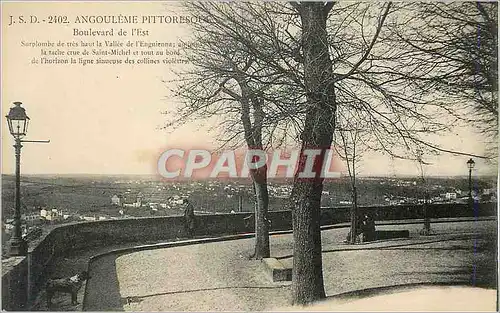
{"x":18,"y":247}
{"x":426,"y":232}
{"x":248,"y":257}
{"x":358,"y":239}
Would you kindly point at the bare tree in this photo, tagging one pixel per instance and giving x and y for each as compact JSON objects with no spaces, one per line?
{"x":366,"y":72}
{"x":458,"y":43}
{"x":297,"y":66}
{"x":348,"y":141}
{"x":237,"y":76}
{"x":426,"y":230}
{"x":217,"y":84}
{"x":319,"y":124}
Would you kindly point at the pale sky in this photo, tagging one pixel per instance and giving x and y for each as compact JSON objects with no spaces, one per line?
{"x":104,"y":119}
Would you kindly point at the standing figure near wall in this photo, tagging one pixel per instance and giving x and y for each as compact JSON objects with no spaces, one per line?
{"x":189,"y":219}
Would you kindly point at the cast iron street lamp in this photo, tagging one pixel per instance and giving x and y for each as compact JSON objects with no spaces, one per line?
{"x":470,"y":165}
{"x":17,"y":121}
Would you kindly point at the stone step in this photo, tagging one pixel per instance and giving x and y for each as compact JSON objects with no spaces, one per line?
{"x":391,"y":234}
{"x":276,"y":270}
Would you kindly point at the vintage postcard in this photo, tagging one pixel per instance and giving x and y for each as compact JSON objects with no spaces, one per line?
{"x":249,"y":156}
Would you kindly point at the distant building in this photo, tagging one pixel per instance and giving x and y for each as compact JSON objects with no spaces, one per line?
{"x":116,"y":200}
{"x":176,"y":199}
{"x":488,"y":191}
{"x":450,"y":195}
{"x":136,"y":204}
{"x":345,"y":202}
{"x":53,"y":215}
{"x":31,"y":218}
{"x":397,"y":201}
{"x":139,"y":199}
{"x":437,"y":199}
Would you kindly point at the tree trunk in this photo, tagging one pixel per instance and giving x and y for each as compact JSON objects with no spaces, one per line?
{"x":262,"y":249}
{"x":307,"y":272}
{"x":253,"y":138}
{"x":427,"y":220}
{"x":307,"y":281}
{"x":354,"y":215}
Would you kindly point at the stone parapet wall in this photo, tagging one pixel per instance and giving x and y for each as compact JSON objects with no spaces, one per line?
{"x":23,"y":277}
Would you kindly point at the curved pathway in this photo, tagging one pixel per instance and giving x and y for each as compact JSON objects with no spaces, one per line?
{"x":219,"y":277}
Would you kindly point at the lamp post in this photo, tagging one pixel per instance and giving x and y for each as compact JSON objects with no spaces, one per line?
{"x":18,"y":126}
{"x":470,"y":165}
{"x":18,"y":121}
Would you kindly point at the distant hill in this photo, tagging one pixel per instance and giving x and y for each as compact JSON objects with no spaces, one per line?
{"x":92,"y":193}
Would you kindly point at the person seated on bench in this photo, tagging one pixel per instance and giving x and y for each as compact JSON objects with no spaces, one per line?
{"x":368,"y":228}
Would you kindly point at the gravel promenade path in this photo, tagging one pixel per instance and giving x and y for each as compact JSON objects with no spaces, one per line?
{"x":219,"y":276}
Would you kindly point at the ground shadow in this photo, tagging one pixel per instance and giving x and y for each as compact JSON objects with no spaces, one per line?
{"x":396,"y":243}
{"x":140,"y":298}
{"x":452,"y":248}
{"x":369,"y":246}
{"x":479,"y":269}
{"x":386,"y":290}
{"x":102,"y":292}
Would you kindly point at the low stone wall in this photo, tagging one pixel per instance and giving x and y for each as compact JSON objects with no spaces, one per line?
{"x":15,"y":286}
{"x":402,"y":212}
{"x":22,"y":279}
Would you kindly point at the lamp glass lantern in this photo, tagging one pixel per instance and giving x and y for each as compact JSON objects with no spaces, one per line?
{"x":17,"y":120}
{"x":470,"y":164}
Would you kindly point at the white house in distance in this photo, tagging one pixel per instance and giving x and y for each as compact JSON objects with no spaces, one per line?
{"x":88,"y":218}
{"x":116,"y":200}
{"x":43,"y":213}
{"x":451,"y":195}
{"x":176,"y":199}
{"x":53,"y":215}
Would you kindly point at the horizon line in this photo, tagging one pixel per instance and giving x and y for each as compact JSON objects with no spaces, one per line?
{"x":226,"y":178}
